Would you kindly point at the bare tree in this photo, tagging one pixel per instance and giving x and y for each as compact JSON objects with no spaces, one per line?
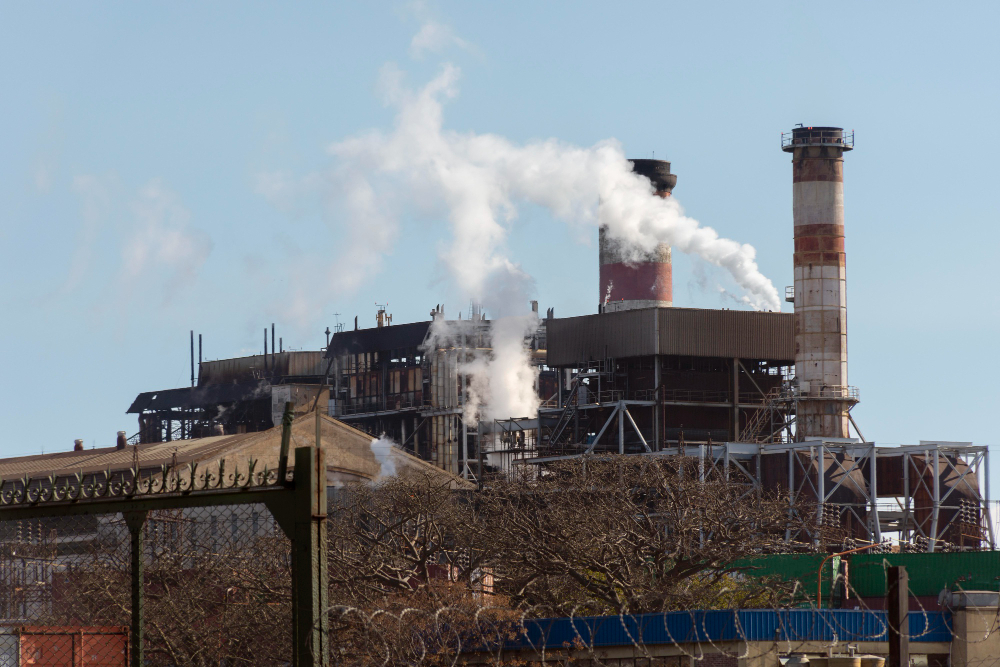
{"x":419,"y":573}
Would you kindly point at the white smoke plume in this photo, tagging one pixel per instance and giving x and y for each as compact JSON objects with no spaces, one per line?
{"x":382,"y":449}
{"x":477,"y":181}
{"x":501,"y":377}
{"x":480,"y":179}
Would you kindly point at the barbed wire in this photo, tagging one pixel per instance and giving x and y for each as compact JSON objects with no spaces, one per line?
{"x":408,"y":586}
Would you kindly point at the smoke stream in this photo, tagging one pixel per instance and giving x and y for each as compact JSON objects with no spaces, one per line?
{"x":477,"y":182}
{"x":480,"y":178}
{"x":382,"y":449}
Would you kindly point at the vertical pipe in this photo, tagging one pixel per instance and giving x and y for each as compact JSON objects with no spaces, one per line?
{"x":559,"y":388}
{"x":265,"y":348}
{"x":658,"y":407}
{"x":319,"y":430}
{"x":736,"y":399}
{"x":906,"y":496}
{"x":791,"y":491}
{"x":272,"y":348}
{"x":621,"y":427}
{"x":986,"y":505}
{"x":820,"y":482}
{"x":937,"y":501}
{"x":192,"y":357}
{"x":281,"y":345}
{"x":465,"y":398}
{"x":873,"y":483}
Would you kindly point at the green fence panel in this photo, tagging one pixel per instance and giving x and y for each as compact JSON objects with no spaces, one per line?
{"x":929,"y":573}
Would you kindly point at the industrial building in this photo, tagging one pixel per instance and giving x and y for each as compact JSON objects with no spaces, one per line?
{"x":762,"y":396}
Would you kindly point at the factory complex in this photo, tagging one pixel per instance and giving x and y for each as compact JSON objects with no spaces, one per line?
{"x":762,"y":396}
{"x":218,"y":506}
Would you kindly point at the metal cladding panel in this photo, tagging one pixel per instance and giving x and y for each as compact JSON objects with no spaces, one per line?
{"x":242,"y":369}
{"x":306,"y":363}
{"x":929,"y":572}
{"x":682,"y":331}
{"x":727,"y":333}
{"x":629,"y":333}
{"x":728,"y":625}
{"x":222,"y":371}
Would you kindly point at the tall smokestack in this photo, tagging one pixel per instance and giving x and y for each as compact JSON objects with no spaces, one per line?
{"x":820,"y":281}
{"x":647,"y":282}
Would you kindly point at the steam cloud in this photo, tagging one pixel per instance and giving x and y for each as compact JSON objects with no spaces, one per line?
{"x":480,"y":178}
{"x":477,"y":182}
{"x":382,"y":449}
{"x":501,"y":378}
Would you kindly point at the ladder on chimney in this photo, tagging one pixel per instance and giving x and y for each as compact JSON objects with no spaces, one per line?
{"x":761,"y":417}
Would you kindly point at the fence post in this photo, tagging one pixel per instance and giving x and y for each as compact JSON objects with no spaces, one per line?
{"x":136,"y":522}
{"x":898,"y":608}
{"x":309,"y":567}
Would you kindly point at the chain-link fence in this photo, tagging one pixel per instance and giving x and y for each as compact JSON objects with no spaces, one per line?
{"x":215,"y":589}
{"x":597,"y":564}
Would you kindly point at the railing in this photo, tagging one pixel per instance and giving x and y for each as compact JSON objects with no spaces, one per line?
{"x":356,"y":406}
{"x":817,"y":137}
{"x":826,"y":391}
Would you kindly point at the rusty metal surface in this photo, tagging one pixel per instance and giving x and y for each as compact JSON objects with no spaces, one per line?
{"x":672,"y":331}
{"x":657,"y":171}
{"x":240,"y":369}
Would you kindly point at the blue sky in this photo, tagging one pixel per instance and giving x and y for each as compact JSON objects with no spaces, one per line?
{"x":136,"y":142}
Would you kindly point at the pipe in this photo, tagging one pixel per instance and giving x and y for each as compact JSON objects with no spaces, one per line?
{"x":192,"y":357}
{"x":199,"y":358}
{"x":937,"y":501}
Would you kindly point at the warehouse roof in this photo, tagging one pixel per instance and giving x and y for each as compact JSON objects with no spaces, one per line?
{"x":349,"y":455}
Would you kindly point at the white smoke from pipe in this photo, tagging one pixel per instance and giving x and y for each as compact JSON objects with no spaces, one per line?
{"x":382,"y":448}
{"x":501,"y":378}
{"x":477,"y":181}
{"x":480,"y":178}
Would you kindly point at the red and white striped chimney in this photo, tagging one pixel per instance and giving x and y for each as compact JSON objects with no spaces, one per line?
{"x":824,"y":398}
{"x":648,"y":282}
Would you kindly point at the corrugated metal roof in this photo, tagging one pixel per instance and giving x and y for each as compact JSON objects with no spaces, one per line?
{"x":673,"y":331}
{"x":827,"y":625}
{"x":194,"y":397}
{"x":348,"y":455}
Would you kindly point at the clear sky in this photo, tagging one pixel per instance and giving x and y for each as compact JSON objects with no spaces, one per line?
{"x":140,"y":145}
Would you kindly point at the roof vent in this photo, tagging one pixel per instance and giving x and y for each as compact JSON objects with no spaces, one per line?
{"x":122,"y":442}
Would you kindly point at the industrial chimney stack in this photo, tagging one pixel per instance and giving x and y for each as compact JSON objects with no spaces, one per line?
{"x":824,"y":398}
{"x":647,"y":283}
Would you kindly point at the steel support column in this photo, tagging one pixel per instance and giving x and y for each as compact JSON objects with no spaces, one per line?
{"x":309,"y":604}
{"x":136,"y":522}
